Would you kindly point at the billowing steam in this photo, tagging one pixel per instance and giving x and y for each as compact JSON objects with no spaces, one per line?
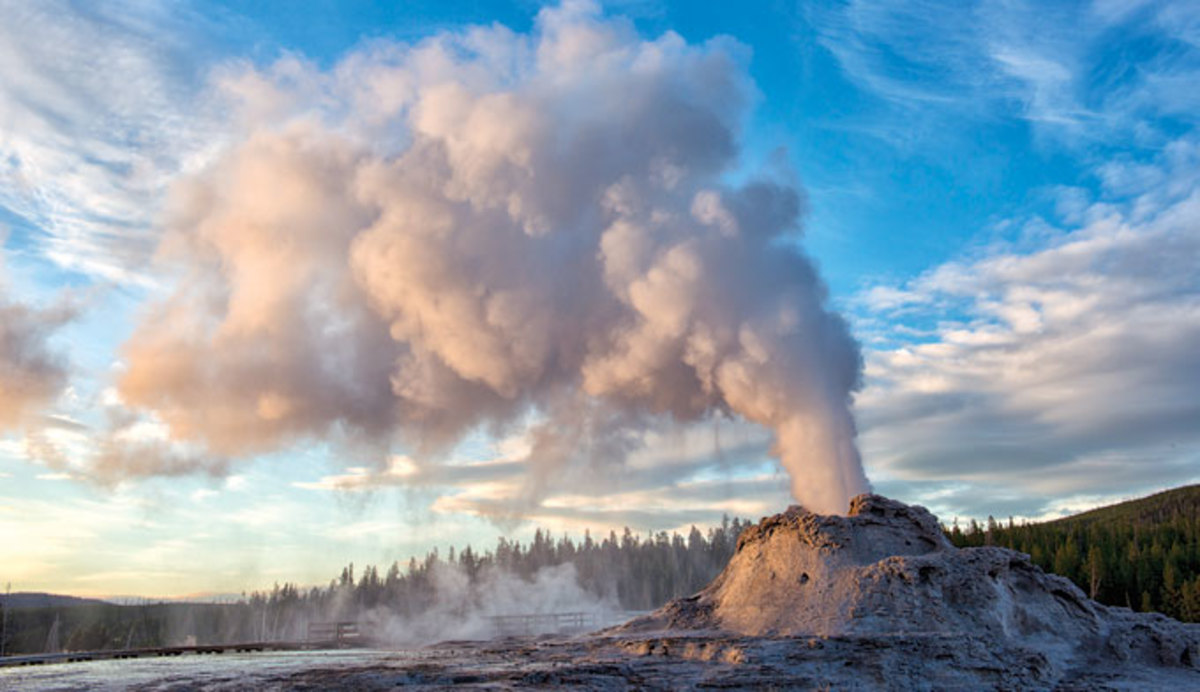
{"x":463,"y":608}
{"x":31,"y":373}
{"x":487,"y":229}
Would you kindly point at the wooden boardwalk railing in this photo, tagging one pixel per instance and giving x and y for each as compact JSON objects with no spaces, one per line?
{"x":335,"y":634}
{"x":543,"y":623}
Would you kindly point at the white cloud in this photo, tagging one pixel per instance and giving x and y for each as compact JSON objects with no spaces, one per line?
{"x":400,"y":470}
{"x":202,"y":494}
{"x":1067,"y":369}
{"x":236,"y":482}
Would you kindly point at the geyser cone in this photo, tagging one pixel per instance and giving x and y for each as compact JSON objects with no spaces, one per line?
{"x":886,"y":570}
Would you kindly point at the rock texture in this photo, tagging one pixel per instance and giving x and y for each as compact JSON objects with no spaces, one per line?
{"x":885,"y":583}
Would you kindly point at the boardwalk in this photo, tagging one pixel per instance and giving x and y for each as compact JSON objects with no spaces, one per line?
{"x":108,"y":655}
{"x":321,"y":635}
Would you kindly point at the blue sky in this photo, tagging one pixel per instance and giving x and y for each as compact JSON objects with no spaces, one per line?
{"x":1004,"y":201}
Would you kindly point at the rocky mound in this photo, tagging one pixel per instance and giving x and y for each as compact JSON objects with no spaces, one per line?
{"x":887,"y":574}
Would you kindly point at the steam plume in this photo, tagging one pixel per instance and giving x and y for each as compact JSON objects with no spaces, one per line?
{"x":488,"y":226}
{"x":31,"y":373}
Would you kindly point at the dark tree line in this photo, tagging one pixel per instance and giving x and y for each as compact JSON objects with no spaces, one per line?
{"x":1143,"y":555}
{"x":636,"y":572}
{"x":99,"y":626}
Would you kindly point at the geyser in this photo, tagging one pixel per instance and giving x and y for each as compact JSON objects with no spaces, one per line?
{"x":487,"y":228}
{"x":884,"y":591}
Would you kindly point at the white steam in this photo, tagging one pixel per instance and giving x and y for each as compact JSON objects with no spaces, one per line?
{"x":495,"y":602}
{"x":489,"y":228}
{"x":32,"y":374}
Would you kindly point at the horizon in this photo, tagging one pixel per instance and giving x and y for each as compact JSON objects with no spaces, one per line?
{"x":282,"y":291}
{"x":228,"y":597}
{"x":212,"y":597}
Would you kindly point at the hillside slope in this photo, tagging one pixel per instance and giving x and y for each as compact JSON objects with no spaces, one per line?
{"x":1156,"y":508}
{"x":35,"y":599}
{"x":1143,"y":554}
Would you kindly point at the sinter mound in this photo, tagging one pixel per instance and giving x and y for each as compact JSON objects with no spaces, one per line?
{"x":886,"y":573}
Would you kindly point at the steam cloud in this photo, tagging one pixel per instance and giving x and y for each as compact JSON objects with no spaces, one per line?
{"x":463,"y":610}
{"x":487,"y":229}
{"x":31,"y":373}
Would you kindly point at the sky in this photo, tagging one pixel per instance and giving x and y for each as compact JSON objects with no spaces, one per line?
{"x":282,"y":289}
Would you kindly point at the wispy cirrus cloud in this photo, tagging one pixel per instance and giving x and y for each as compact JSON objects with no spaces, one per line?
{"x":99,"y":108}
{"x":1076,"y":76}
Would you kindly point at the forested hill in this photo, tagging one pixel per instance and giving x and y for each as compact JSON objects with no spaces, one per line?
{"x":1160,"y":507}
{"x":30,"y":599}
{"x":1143,"y":554}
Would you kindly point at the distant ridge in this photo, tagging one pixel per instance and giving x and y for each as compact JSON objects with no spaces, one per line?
{"x":34,"y":599}
{"x":1177,"y":502}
